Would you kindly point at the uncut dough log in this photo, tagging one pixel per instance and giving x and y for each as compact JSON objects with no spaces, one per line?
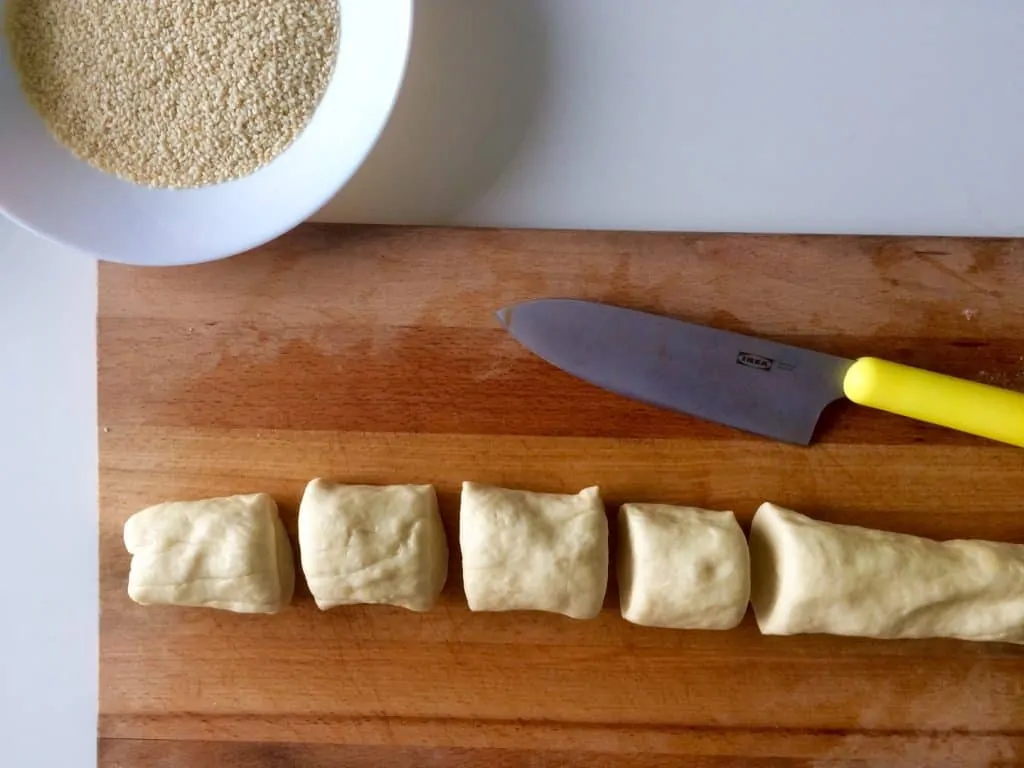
{"x":533,"y":551}
{"x":682,"y":567}
{"x":372,"y":544}
{"x":230,"y":553}
{"x":810,"y":576}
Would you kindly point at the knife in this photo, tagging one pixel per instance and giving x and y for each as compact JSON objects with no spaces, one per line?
{"x":760,"y":386}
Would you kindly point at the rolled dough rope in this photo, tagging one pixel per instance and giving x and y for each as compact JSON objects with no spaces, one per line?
{"x":682,"y":567}
{"x":811,"y":576}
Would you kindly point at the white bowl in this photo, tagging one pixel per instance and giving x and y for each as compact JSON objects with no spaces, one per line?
{"x":46,"y":189}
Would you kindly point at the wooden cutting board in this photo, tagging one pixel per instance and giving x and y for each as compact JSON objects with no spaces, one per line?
{"x":372,"y":355}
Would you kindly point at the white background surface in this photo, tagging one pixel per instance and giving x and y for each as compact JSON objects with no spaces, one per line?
{"x":900,"y":116}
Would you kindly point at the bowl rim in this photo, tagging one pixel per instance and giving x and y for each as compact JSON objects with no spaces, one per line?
{"x":405,"y":14}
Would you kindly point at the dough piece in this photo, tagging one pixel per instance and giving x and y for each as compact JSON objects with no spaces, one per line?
{"x":372,"y":544}
{"x":534,"y":551}
{"x":230,"y":553}
{"x":682,"y":567}
{"x":811,"y":576}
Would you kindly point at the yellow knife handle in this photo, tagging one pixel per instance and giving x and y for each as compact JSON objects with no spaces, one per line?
{"x":967,"y":406}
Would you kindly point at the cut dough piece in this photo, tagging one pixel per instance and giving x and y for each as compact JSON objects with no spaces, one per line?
{"x":534,"y":551}
{"x":682,"y":567}
{"x":811,"y":576}
{"x":372,"y":544}
{"x":230,"y":553}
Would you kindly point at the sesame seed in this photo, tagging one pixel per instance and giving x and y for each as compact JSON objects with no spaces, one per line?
{"x":174,"y":93}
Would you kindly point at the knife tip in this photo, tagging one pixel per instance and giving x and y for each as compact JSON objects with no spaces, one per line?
{"x":504,"y":316}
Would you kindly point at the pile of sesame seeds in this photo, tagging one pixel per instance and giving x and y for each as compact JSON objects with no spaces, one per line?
{"x":174,"y":93}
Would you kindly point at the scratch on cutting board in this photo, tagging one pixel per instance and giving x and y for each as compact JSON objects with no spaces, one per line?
{"x":496,"y":369}
{"x":926,"y":748}
{"x":1005,"y":379}
{"x":952,"y":273}
{"x":920,"y":749}
{"x":850,"y":476}
{"x":500,"y":364}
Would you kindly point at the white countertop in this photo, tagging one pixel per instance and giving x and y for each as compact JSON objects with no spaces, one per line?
{"x":898,"y":116}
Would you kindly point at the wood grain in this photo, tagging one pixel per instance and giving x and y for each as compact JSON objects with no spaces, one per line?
{"x":371,"y":354}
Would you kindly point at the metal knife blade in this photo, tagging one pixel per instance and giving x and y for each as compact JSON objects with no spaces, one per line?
{"x":752,"y":384}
